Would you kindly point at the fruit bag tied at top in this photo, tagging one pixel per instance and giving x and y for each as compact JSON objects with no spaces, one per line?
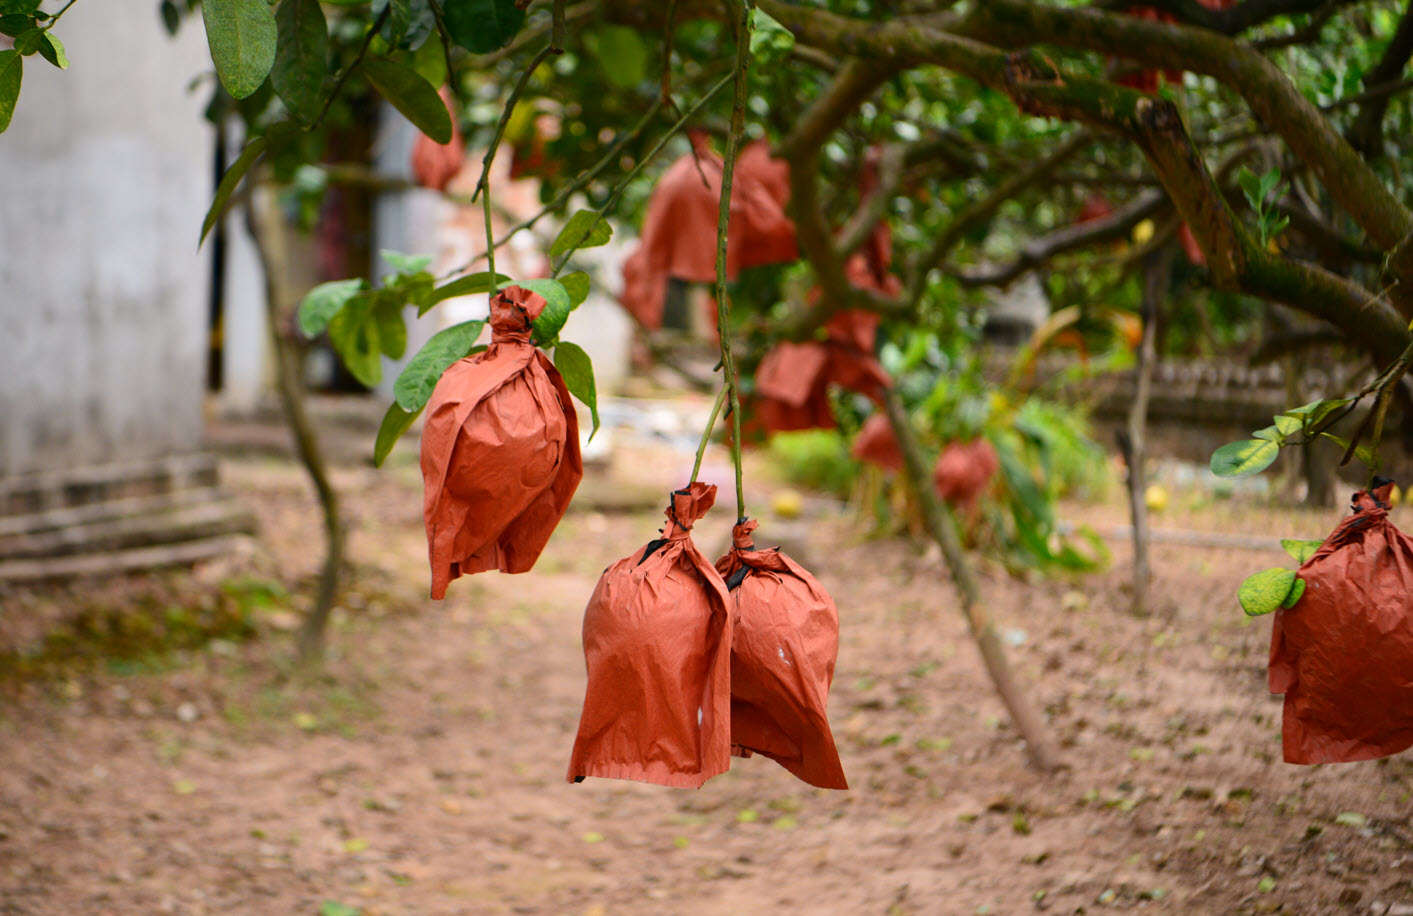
{"x":657,"y":643}
{"x":500,"y":451}
{"x":783,"y":646}
{"x":1343,"y":654}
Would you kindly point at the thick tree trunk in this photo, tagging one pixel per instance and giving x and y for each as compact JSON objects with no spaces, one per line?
{"x":267,"y":228}
{"x":941,"y":525}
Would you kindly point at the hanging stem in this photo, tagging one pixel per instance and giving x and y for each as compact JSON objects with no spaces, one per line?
{"x":706,"y":433}
{"x":728,"y":168}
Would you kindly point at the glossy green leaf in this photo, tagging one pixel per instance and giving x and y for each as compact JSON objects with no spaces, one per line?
{"x":622,"y":54}
{"x":1296,"y":591}
{"x":482,"y":26}
{"x":242,"y":35}
{"x":410,"y":94}
{"x":1286,"y":425}
{"x":28,"y":42}
{"x":395,"y":422}
{"x":301,"y":57}
{"x":414,"y":386}
{"x":353,"y":332}
{"x":1362,"y":452}
{"x":1266,"y":591}
{"x":52,"y":50}
{"x":429,"y":60}
{"x":406,"y":263}
{"x":771,"y":42}
{"x":408,"y":23}
{"x":577,"y":286}
{"x":16,"y":25}
{"x":556,"y":313}
{"x":392,"y":329}
{"x":19,"y":7}
{"x":578,"y":372}
{"x":1300,"y":550}
{"x":323,"y":302}
{"x":11,"y":72}
{"x":1241,"y":459}
{"x":585,"y":229}
{"x":247,"y":158}
{"x":1269,"y":434}
{"x":464,"y":286}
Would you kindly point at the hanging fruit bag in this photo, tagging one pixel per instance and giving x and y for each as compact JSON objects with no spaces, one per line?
{"x":1343,"y":653}
{"x":783,"y":647}
{"x":657,"y":644}
{"x":500,"y":451}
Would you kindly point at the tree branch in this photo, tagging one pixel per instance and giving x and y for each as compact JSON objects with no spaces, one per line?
{"x":1366,"y":134}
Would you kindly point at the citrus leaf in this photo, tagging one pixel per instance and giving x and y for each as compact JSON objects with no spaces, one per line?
{"x":577,"y":286}
{"x":482,"y":26}
{"x":11,"y":72}
{"x":301,"y":57}
{"x":557,"y":309}
{"x":52,"y":50}
{"x":585,"y":229}
{"x":1286,"y":425}
{"x":414,"y":386}
{"x":578,"y":372}
{"x":1300,"y":550}
{"x":406,"y":263}
{"x":463,"y":286}
{"x":395,"y":422}
{"x":1241,"y":459}
{"x":392,"y":330}
{"x":354,"y":335}
{"x":1265,"y":591}
{"x":1362,"y":452}
{"x":323,"y":302}
{"x":1269,"y":434}
{"x":410,"y":94}
{"x":771,"y":42}
{"x":247,"y":158}
{"x":622,"y":55}
{"x":1296,"y":591}
{"x":242,"y":36}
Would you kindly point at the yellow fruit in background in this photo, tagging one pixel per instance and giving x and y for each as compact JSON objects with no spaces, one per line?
{"x":1395,"y":496}
{"x":1142,"y":232}
{"x":1155,"y":498}
{"x":787,"y":504}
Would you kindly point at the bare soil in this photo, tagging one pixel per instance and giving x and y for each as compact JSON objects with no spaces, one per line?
{"x":423,"y":772}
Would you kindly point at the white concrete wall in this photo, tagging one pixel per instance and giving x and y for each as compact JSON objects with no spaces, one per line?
{"x":103,"y":293}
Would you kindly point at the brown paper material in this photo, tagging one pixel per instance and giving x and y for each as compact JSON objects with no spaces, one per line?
{"x":1343,"y":654}
{"x":876,"y":444}
{"x":679,"y":230}
{"x":500,"y":451}
{"x":963,"y":471}
{"x":657,"y":644}
{"x":783,"y":648}
{"x":435,"y":164}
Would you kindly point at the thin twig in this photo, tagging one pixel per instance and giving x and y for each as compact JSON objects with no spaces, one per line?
{"x":706,"y":434}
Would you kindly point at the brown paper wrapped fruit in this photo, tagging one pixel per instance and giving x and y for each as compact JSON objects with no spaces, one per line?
{"x":500,"y":451}
{"x":657,"y":645}
{"x":783,"y":648}
{"x":1343,"y":653}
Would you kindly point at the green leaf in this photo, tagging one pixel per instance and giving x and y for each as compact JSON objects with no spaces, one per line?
{"x":429,"y":60}
{"x":395,"y":422}
{"x":410,"y":94}
{"x":171,"y":17}
{"x":771,"y":42}
{"x":16,"y":25}
{"x":622,"y":55}
{"x":301,"y":57}
{"x":248,"y":156}
{"x":1300,"y":550}
{"x":414,"y":386}
{"x":22,"y":7}
{"x":28,"y":42}
{"x":408,"y":24}
{"x":323,"y":302}
{"x":578,"y":372}
{"x":407,"y":264}
{"x":1250,"y":187}
{"x":387,"y":313}
{"x":242,"y":35}
{"x":585,"y":229}
{"x":482,"y":26}
{"x":52,"y":50}
{"x":1241,"y":459}
{"x":1362,"y":452}
{"x":11,"y":71}
{"x":1286,"y":425}
{"x":1269,"y":434}
{"x":354,"y":333}
{"x":557,"y":309}
{"x":1028,"y":493}
{"x":1313,"y":413}
{"x":1296,"y":591}
{"x":1265,"y":591}
{"x":577,"y":286}
{"x":1268,"y":182}
{"x":463,"y":286}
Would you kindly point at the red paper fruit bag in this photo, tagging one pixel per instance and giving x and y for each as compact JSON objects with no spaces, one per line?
{"x":783,"y":648}
{"x":876,"y":444}
{"x":1342,"y":655}
{"x":435,"y":164}
{"x":963,"y":471}
{"x":657,"y":644}
{"x":500,"y":451}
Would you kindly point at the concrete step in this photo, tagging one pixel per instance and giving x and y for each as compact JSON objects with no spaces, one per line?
{"x":125,"y":524}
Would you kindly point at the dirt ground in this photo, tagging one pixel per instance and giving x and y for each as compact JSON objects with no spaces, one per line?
{"x":423,"y":774}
